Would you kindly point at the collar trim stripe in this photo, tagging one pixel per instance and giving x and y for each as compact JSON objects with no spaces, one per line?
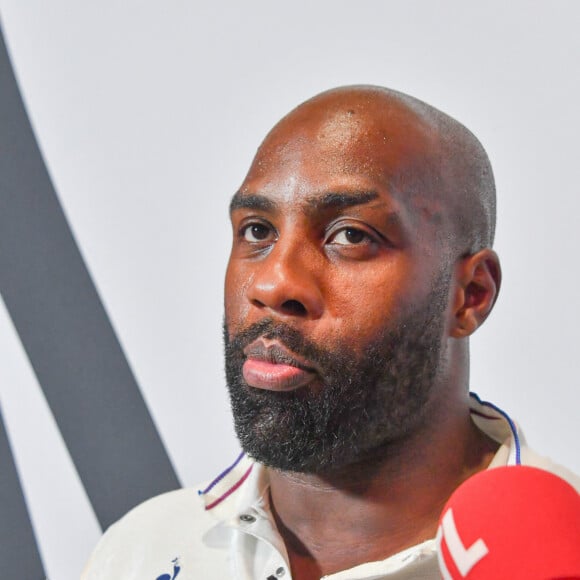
{"x":231,"y":490}
{"x":512,"y":425}
{"x":483,"y":415}
{"x":221,"y":475}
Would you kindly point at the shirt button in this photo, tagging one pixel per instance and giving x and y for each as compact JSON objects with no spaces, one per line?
{"x":280,"y":572}
{"x":247,"y":518}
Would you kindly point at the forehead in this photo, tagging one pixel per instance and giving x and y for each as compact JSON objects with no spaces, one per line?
{"x":348,"y":147}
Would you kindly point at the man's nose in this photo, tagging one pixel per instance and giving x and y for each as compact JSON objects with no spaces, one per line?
{"x":286,"y":282}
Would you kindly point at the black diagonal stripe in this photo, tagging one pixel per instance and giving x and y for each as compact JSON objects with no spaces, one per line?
{"x":65,"y":330}
{"x":19,"y":557}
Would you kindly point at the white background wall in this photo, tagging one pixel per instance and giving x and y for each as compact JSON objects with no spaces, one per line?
{"x":148,"y":114}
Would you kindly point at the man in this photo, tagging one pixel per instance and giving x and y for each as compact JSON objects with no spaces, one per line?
{"x":361,"y":263}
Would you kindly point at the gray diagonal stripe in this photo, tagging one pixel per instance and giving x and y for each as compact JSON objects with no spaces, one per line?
{"x":65,"y":330}
{"x":19,"y":557}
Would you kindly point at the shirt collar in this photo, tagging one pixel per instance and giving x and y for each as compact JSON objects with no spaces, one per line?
{"x":239,"y":500}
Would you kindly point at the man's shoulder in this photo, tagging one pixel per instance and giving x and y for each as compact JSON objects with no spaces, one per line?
{"x":178,"y":507}
{"x":190,"y":529}
{"x":155,"y":538}
{"x":534,"y":459}
{"x":498,"y":425}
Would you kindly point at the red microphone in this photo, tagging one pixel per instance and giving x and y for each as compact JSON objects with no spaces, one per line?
{"x":512,"y":523}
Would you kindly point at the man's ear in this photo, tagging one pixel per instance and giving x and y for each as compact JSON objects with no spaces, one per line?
{"x":478,"y":278}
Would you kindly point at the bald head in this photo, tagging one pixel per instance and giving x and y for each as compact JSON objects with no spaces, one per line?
{"x":416,"y":149}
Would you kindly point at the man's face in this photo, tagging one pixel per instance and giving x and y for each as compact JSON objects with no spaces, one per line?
{"x":336,"y":294}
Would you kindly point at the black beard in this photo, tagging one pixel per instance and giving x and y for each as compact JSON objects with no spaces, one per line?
{"x":365,"y":401}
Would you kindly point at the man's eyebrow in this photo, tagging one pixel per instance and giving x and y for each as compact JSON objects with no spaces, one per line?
{"x":342,"y":199}
{"x":330,"y":200}
{"x":250,"y":201}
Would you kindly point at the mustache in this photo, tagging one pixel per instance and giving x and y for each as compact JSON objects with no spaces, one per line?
{"x":267,"y":328}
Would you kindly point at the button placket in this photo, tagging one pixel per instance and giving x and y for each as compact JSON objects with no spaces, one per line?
{"x":258,"y":525}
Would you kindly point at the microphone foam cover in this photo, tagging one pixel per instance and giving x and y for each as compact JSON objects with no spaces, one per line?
{"x":515,"y":523}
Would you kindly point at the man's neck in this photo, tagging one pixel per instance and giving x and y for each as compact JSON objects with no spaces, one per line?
{"x":373,"y":509}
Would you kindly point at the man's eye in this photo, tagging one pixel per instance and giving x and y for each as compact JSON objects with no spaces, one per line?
{"x":256,"y":233}
{"x":350,"y":236}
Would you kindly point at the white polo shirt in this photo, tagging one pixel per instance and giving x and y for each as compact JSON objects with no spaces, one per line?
{"x":226,"y":529}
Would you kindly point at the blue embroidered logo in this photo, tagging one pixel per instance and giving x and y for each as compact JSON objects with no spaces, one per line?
{"x":176,"y":569}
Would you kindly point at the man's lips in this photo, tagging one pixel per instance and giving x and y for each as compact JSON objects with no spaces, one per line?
{"x":270,"y":365}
